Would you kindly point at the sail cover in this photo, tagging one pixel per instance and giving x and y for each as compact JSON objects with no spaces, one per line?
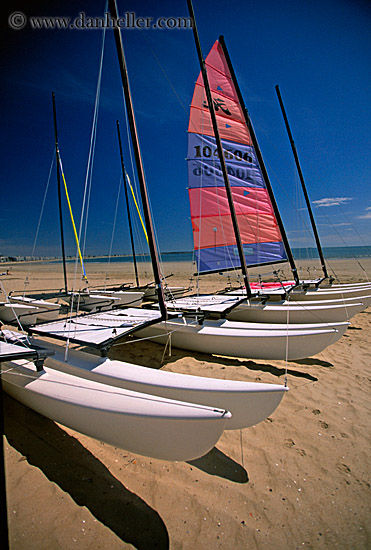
{"x":214,"y":240}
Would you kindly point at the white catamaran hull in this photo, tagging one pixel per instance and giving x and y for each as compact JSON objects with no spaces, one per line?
{"x":93,"y":302}
{"x":317,"y":283}
{"x":139,"y":423}
{"x":337,"y":286}
{"x":122,"y":297}
{"x":170,"y":292}
{"x":249,"y":402}
{"x":362,"y":294}
{"x":26,"y":314}
{"x":46,"y":311}
{"x":271,"y":311}
{"x":194,"y":333}
{"x":234,"y":339}
{"x":296,"y":312}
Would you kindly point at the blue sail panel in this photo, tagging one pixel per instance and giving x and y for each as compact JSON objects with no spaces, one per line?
{"x":204,"y":167}
{"x":224,"y":258}
{"x":213,"y":232}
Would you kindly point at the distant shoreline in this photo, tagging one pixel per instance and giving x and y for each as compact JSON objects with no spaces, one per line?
{"x":127,"y":257}
{"x":331,"y":253}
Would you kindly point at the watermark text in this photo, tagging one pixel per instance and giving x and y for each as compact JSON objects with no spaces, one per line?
{"x":18,"y":21}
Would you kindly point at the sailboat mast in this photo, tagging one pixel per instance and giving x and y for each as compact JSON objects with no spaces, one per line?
{"x":127,"y":205}
{"x":261,"y":162}
{"x":59,"y":192}
{"x":220,"y":153}
{"x":301,"y":177}
{"x":138,"y":161}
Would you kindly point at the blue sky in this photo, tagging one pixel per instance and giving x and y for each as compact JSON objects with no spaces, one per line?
{"x":317,"y":51}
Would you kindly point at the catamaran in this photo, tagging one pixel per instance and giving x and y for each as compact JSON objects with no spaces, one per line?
{"x":103,"y":406}
{"x":137,"y":422}
{"x":195,"y":332}
{"x":247,"y":212}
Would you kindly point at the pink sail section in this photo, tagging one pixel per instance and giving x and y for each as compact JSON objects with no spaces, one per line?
{"x":214,"y":238}
{"x":226,"y":105}
{"x":228,"y":116}
{"x":212,"y":201}
{"x":218,"y":73}
{"x":217,"y":231}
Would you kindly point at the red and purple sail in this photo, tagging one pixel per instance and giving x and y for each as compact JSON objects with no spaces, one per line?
{"x":214,"y":239}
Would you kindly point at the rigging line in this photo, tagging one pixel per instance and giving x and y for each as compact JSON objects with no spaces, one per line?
{"x":287,"y":340}
{"x":42,"y":206}
{"x":89,"y":169}
{"x":289,"y":199}
{"x":93,"y":140}
{"x":277,"y":178}
{"x":21,"y":339}
{"x":168,"y":81}
{"x":134,"y":188}
{"x":306,"y":237}
{"x":353,"y":228}
{"x":12,"y":308}
{"x":343,"y":241}
{"x":88,"y":181}
{"x":181,"y":103}
{"x":41,"y":376}
{"x":113,"y":228}
{"x":72,"y":219}
{"x":164,"y":73}
{"x":136,"y":206}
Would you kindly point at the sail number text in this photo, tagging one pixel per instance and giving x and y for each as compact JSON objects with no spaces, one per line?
{"x":208,"y":152}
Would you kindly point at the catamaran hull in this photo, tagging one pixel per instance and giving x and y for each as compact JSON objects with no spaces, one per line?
{"x":324,"y":284}
{"x":295,"y":312}
{"x":361,"y":294}
{"x":237,"y":340}
{"x":170,"y":292}
{"x":249,"y":402}
{"x":270,"y":311}
{"x":46,"y":311}
{"x":123,"y":297}
{"x":337,"y":286}
{"x":93,"y":303}
{"x":105,"y":300}
{"x":139,"y":423}
{"x":9,"y":313}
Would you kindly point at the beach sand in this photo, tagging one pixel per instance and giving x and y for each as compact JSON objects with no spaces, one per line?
{"x":300,"y":479}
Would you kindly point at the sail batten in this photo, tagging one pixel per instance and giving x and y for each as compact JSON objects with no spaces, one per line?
{"x":214,"y":238}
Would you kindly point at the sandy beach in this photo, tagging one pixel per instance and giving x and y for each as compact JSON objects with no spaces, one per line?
{"x":300,"y":479}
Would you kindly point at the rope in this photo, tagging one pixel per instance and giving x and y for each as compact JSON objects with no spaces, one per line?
{"x":89,"y":169}
{"x":113,"y":231}
{"x":88,"y":184}
{"x":287,"y":341}
{"x":12,"y":308}
{"x":134,"y":188}
{"x":42,"y":206}
{"x":241,"y":444}
{"x":72,"y":220}
{"x":137,"y":206}
{"x":15,"y":336}
{"x":167,"y":345}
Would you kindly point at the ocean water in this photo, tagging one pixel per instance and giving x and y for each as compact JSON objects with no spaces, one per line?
{"x":331,"y":253}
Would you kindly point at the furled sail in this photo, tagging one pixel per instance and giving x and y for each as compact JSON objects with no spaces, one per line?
{"x":214,"y":240}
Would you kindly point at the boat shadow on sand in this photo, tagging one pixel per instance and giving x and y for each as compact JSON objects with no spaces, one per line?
{"x":66,"y":462}
{"x":218,"y":464}
{"x":153,"y":355}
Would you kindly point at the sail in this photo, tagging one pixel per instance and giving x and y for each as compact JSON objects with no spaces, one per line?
{"x":213,"y":235}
